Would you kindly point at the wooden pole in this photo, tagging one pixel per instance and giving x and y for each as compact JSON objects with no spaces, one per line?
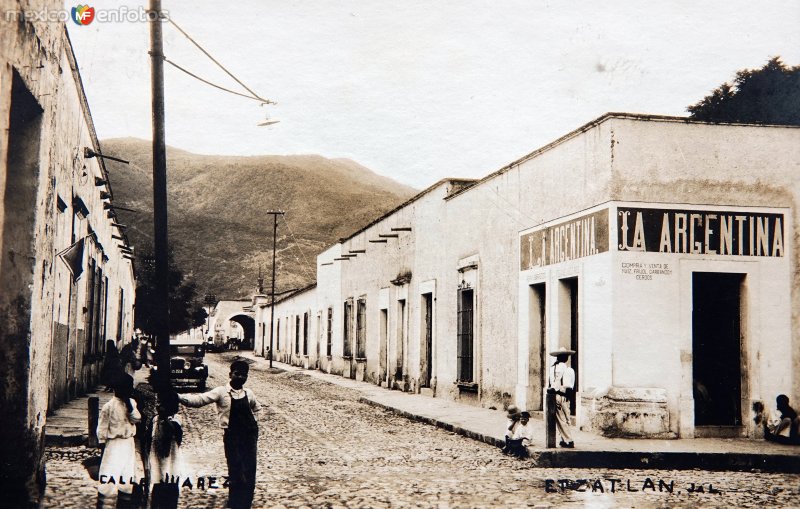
{"x":275,"y":214}
{"x":94,"y":417}
{"x":160,"y":237}
{"x":550,"y":419}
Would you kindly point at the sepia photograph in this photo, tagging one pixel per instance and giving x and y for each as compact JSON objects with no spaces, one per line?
{"x":421,"y":254}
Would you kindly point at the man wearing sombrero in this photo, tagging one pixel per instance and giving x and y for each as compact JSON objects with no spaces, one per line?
{"x":561,"y":380}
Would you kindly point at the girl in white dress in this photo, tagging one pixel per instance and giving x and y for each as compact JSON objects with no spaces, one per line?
{"x":116,"y":428}
{"x":166,"y":462}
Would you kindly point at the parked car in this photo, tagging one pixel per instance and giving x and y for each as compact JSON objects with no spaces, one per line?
{"x":187,"y":369}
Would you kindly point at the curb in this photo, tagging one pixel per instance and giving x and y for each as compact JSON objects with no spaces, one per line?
{"x":436,"y":422}
{"x":742,"y":462}
{"x":65,"y":440}
{"x":635,"y":460}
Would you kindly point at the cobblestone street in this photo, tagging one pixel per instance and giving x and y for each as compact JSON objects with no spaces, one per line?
{"x":320,"y":447}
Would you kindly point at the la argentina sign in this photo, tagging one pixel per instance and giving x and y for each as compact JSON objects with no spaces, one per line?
{"x":656,"y":230}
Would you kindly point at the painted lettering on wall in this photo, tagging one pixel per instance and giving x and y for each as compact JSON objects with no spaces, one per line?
{"x":646,"y":271}
{"x":583,"y":236}
{"x":729,"y":233}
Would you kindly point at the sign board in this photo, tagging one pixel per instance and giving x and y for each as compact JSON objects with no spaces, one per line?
{"x":569,"y":240}
{"x":710,"y":232}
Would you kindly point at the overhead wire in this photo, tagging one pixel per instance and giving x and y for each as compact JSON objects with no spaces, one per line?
{"x":193,"y":75}
{"x":296,"y":242}
{"x":206,"y":53}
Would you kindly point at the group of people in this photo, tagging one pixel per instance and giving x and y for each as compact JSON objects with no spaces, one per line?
{"x":141,"y":433}
{"x":561,"y":382}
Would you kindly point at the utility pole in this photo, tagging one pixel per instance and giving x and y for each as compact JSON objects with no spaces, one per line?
{"x":160,"y":238}
{"x":275,"y":214}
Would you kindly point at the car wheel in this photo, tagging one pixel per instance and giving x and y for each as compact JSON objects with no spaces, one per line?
{"x":201,"y":387}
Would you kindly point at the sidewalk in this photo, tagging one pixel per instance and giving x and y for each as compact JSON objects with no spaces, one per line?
{"x":69,"y":425}
{"x":592,"y":451}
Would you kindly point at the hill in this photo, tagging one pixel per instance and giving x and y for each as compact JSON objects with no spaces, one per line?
{"x":218,"y":228}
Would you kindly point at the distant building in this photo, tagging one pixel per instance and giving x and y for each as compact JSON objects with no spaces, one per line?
{"x":66,"y":269}
{"x":662,"y":250}
{"x":232,"y":319}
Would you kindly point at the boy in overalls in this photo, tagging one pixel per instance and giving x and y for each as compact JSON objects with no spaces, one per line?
{"x":236,"y":408}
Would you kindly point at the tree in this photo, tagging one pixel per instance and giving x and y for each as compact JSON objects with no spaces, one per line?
{"x":770,"y":95}
{"x":185,"y":310}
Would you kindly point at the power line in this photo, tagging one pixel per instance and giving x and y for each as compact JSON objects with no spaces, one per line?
{"x":255,"y":98}
{"x":206,"y":53}
{"x":308,"y":264}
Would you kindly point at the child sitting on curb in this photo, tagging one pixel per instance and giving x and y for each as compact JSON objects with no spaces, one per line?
{"x":512,"y":421}
{"x":522,"y":437}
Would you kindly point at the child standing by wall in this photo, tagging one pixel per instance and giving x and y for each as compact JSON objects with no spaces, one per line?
{"x":116,"y":428}
{"x":166,"y":462}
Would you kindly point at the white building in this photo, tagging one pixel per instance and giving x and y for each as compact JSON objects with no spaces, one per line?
{"x":662,"y":250}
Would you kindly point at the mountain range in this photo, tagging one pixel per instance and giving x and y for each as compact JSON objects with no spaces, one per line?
{"x":219,"y":231}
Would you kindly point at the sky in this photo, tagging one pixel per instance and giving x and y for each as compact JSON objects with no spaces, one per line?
{"x":419,"y":90}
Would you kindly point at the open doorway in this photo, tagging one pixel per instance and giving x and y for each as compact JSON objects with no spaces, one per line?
{"x":717,"y":348}
{"x":426,"y":341}
{"x":569,"y":328}
{"x":537,"y":336}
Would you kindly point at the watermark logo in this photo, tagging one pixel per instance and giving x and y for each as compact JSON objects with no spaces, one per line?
{"x":82,"y":14}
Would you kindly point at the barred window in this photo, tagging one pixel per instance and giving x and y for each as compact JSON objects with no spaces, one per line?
{"x":347,"y":346}
{"x":330,"y":331}
{"x":297,"y":334}
{"x":465,"y":336}
{"x":361,"y":329}
{"x":305,"y":333}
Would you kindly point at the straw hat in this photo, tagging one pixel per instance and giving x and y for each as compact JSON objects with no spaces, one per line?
{"x":561,"y":351}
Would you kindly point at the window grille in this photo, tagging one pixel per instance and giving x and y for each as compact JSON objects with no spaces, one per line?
{"x":305,"y":333}
{"x":297,"y":335}
{"x":361,"y":329}
{"x":347,"y":347}
{"x":465,"y":336}
{"x":330,"y":331}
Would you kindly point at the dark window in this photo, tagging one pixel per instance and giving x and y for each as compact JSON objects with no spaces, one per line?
{"x":361,"y":329}
{"x":297,"y":334}
{"x":465,"y":336}
{"x":91,"y":319}
{"x":120,"y":313}
{"x":105,"y":315}
{"x":278,"y":335}
{"x":401,"y":339}
{"x":347,"y":347}
{"x":330,"y":331}
{"x":305,"y":333}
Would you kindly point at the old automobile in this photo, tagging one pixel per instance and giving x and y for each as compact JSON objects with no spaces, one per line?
{"x":186,"y":366}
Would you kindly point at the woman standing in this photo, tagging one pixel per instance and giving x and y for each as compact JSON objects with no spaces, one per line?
{"x":116,"y":428}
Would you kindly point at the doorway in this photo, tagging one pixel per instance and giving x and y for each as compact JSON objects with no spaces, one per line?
{"x":384,"y":350}
{"x":717,"y":348}
{"x":426,"y":346}
{"x":569,"y":329}
{"x":537,"y":334}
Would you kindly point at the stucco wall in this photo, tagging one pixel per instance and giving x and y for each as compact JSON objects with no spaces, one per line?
{"x":679,"y":162}
{"x":43,"y":337}
{"x":472,"y":236}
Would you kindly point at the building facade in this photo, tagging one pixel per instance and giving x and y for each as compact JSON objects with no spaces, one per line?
{"x":661,"y":250}
{"x":66,"y":266}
